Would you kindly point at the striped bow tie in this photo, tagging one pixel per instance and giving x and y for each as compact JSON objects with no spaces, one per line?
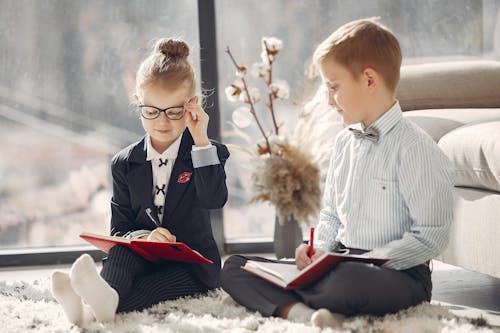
{"x":369,"y":133}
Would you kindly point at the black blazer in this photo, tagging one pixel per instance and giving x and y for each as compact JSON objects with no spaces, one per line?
{"x":186,"y":208}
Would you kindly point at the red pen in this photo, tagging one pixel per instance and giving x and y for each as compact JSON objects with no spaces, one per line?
{"x":311,"y":242}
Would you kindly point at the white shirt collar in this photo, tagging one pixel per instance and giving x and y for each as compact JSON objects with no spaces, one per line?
{"x":170,"y":154}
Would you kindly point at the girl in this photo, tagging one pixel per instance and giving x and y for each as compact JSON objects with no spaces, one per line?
{"x":163,"y":187}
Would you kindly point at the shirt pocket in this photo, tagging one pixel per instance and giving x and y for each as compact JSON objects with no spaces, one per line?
{"x":384,"y":199}
{"x":384,"y":186}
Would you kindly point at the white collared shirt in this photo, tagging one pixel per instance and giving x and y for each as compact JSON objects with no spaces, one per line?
{"x":162,"y":165}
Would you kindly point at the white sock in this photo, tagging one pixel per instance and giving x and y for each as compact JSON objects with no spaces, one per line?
{"x":66,"y":296}
{"x":72,"y":304}
{"x":324,"y":318}
{"x":102,"y":299}
{"x":300,"y":312}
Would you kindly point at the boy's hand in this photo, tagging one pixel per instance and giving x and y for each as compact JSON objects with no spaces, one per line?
{"x":301,"y":256}
{"x":161,"y":235}
{"x":198,"y":126}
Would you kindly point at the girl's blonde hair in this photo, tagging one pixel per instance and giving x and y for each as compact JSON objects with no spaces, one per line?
{"x":167,"y":65}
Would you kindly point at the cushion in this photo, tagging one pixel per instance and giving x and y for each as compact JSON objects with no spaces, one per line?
{"x":459,"y":84}
{"x":475,"y":152}
{"x":438,"y":122}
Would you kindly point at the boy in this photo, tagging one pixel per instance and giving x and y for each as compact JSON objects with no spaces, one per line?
{"x":388,"y":194}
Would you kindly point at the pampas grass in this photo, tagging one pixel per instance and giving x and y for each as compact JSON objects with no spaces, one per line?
{"x":317,"y":126}
{"x":289,"y":180}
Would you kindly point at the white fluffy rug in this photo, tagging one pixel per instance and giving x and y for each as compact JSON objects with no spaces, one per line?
{"x":29,"y":307}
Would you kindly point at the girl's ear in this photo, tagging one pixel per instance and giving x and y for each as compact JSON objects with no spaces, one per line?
{"x":135,"y":98}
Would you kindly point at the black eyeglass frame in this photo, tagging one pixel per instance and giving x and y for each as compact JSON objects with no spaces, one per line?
{"x":141,"y":106}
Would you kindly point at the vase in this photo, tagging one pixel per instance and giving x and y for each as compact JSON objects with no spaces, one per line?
{"x":287,"y":236}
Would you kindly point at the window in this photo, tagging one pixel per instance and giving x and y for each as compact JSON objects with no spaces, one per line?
{"x":68,"y":71}
{"x":428,"y":30}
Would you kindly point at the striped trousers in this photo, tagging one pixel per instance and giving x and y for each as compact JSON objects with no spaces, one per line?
{"x":141,"y":283}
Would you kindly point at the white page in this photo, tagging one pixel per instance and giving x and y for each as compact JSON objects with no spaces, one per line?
{"x":280,"y":273}
{"x":283,"y":273}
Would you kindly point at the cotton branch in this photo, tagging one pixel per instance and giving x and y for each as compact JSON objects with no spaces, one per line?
{"x":242,"y":69}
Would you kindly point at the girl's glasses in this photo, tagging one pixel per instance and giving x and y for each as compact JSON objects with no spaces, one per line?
{"x":152,"y":112}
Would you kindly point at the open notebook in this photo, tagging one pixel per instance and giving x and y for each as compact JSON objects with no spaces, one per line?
{"x":287,"y":276}
{"x":152,"y":251}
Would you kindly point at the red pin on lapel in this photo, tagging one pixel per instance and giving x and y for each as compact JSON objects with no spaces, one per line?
{"x":184,"y":177}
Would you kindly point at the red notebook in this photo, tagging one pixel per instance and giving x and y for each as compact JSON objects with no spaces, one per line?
{"x":152,"y":251}
{"x":287,"y":276}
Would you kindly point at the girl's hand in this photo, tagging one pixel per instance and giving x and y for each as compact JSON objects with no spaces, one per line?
{"x":198,"y":126}
{"x":302,"y":258}
{"x":161,"y":235}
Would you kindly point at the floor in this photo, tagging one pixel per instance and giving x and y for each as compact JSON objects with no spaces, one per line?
{"x":463,"y":292}
{"x":466,"y":292}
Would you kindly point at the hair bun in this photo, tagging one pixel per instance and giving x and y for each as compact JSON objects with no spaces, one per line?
{"x":172,"y":47}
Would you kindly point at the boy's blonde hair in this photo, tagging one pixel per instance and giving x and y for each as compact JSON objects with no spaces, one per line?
{"x":363,"y":44}
{"x":167,"y":65}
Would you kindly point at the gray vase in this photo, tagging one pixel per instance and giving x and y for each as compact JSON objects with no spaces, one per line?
{"x":287,"y":236}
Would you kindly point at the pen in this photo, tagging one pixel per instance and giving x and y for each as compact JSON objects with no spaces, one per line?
{"x":311,"y":242}
{"x":148,"y":212}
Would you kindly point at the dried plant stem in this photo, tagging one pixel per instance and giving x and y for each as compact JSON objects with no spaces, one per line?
{"x":228,"y":51}
{"x":252,"y":107}
{"x":268,"y":82}
{"x":252,"y":111}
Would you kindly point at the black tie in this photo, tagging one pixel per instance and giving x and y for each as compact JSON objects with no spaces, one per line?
{"x":369,"y":133}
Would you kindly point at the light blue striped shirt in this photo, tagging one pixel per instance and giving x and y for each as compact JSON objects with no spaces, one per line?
{"x":393,"y":198}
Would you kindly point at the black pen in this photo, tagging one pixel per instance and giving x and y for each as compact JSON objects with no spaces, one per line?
{"x":150,"y":215}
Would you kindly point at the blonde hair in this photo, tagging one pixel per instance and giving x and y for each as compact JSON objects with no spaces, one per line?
{"x":360,"y":44}
{"x":167,"y":65}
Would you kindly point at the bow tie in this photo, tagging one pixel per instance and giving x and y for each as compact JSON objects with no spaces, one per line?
{"x":370,"y":133}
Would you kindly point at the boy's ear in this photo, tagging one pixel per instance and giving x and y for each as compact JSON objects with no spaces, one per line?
{"x":371,"y":78}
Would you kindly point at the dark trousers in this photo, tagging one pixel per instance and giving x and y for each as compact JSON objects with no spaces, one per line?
{"x":141,"y":283}
{"x":351,"y":288}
